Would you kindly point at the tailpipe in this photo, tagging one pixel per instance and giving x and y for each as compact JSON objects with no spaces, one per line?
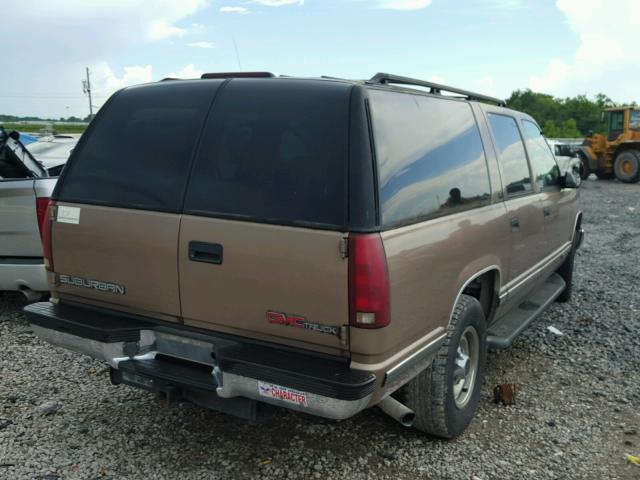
{"x":396,"y":410}
{"x":32,"y":295}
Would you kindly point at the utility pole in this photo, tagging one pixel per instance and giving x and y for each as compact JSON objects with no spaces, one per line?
{"x":86,"y":88}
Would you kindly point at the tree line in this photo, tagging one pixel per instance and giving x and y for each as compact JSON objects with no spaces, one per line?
{"x":570,"y":117}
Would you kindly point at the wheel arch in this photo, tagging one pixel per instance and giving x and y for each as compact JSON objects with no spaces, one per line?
{"x":485,"y":286}
{"x":624,"y":146}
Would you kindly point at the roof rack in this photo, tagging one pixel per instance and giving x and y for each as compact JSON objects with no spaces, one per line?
{"x":436,"y":88}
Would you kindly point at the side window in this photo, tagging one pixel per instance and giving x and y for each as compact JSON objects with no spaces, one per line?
{"x":543,"y":163}
{"x":430,"y":157}
{"x":515,"y":169}
{"x":634,"y":120}
{"x":616,"y":121}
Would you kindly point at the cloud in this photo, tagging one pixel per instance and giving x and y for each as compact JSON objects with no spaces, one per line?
{"x":105,"y":82}
{"x":505,"y":4}
{"x":201,"y":44}
{"x":238,"y":10}
{"x":189,"y":71}
{"x":159,"y":29}
{"x":484,"y":83}
{"x":145,"y":20}
{"x":279,"y":3}
{"x":607,"y":57}
{"x":402,"y":4}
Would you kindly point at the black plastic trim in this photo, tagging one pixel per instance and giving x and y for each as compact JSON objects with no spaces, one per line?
{"x":21,"y":261}
{"x":311,"y":372}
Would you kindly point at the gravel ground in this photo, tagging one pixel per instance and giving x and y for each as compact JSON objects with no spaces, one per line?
{"x":577,"y":413}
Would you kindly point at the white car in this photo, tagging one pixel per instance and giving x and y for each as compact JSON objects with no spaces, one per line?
{"x":25,"y":189}
{"x":53,"y":151}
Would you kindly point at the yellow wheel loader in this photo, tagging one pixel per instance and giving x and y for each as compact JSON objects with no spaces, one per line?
{"x":616,"y":154}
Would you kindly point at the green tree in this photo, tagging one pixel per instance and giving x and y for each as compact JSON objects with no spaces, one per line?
{"x":563,"y":117}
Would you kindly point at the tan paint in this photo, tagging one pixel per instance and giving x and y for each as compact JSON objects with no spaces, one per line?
{"x":265,"y":267}
{"x":428,"y":265}
{"x":300,"y":271}
{"x":133,"y":248}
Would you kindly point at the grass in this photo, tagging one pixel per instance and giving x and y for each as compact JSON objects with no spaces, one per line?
{"x":36,"y":128}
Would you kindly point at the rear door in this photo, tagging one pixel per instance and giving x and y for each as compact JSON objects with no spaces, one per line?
{"x":115,"y":237}
{"x":265,"y":211}
{"x":528,"y":244}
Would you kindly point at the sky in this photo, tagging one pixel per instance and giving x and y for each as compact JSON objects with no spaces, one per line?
{"x":560,"y":47}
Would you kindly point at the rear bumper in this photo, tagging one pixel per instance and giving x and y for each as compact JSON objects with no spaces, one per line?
{"x":21,"y":273}
{"x":207,"y":368}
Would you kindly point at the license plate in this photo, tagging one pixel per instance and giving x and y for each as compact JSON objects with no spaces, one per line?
{"x":286,"y":394}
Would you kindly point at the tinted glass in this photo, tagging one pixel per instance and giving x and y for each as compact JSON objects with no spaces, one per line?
{"x":430,"y":157}
{"x":634,"y":120}
{"x":616,"y":121}
{"x":274,"y":151}
{"x":137,"y":152}
{"x":515,"y":169}
{"x":543,"y":164}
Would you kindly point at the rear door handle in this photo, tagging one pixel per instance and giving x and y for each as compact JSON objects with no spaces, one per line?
{"x":515,"y":225}
{"x":205,"y":252}
{"x":546,"y":211}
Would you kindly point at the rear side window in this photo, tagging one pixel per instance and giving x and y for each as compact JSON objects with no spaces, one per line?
{"x":543,"y":163}
{"x":274,"y":151}
{"x":138,"y":151}
{"x":430,"y":157}
{"x":515,"y":168}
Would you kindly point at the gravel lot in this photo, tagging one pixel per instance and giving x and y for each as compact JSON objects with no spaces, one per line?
{"x":577,"y":413}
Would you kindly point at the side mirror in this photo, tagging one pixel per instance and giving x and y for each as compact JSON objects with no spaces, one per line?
{"x":571,"y":177}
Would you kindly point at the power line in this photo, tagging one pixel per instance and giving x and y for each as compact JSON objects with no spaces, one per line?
{"x":53,"y":96}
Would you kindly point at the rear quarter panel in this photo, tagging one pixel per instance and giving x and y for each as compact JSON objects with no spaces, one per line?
{"x":429,"y":263}
{"x":19,"y":232}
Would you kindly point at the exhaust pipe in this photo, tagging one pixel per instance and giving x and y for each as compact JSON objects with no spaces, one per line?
{"x":32,"y":295}
{"x":397,"y":411}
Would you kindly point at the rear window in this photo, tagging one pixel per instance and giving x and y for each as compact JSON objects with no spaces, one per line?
{"x":138,"y":151}
{"x":274,"y":151}
{"x":430,"y":156}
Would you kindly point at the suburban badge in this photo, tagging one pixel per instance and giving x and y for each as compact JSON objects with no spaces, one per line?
{"x":91,"y":283}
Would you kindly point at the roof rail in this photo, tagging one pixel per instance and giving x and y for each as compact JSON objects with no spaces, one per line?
{"x":386,"y":78}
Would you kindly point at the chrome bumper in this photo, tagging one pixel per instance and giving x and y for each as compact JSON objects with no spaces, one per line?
{"x":227,"y":385}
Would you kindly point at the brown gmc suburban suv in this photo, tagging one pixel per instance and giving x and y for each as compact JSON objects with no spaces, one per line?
{"x":317,"y":244}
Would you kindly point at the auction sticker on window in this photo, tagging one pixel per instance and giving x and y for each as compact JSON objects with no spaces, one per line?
{"x":285,"y":394}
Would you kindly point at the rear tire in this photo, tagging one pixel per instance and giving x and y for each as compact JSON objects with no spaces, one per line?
{"x":585,"y":171}
{"x":627,"y":166}
{"x":445,"y":396}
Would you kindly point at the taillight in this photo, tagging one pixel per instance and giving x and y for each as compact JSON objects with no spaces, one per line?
{"x":41,"y":209}
{"x":44,"y":211}
{"x":368,"y":282}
